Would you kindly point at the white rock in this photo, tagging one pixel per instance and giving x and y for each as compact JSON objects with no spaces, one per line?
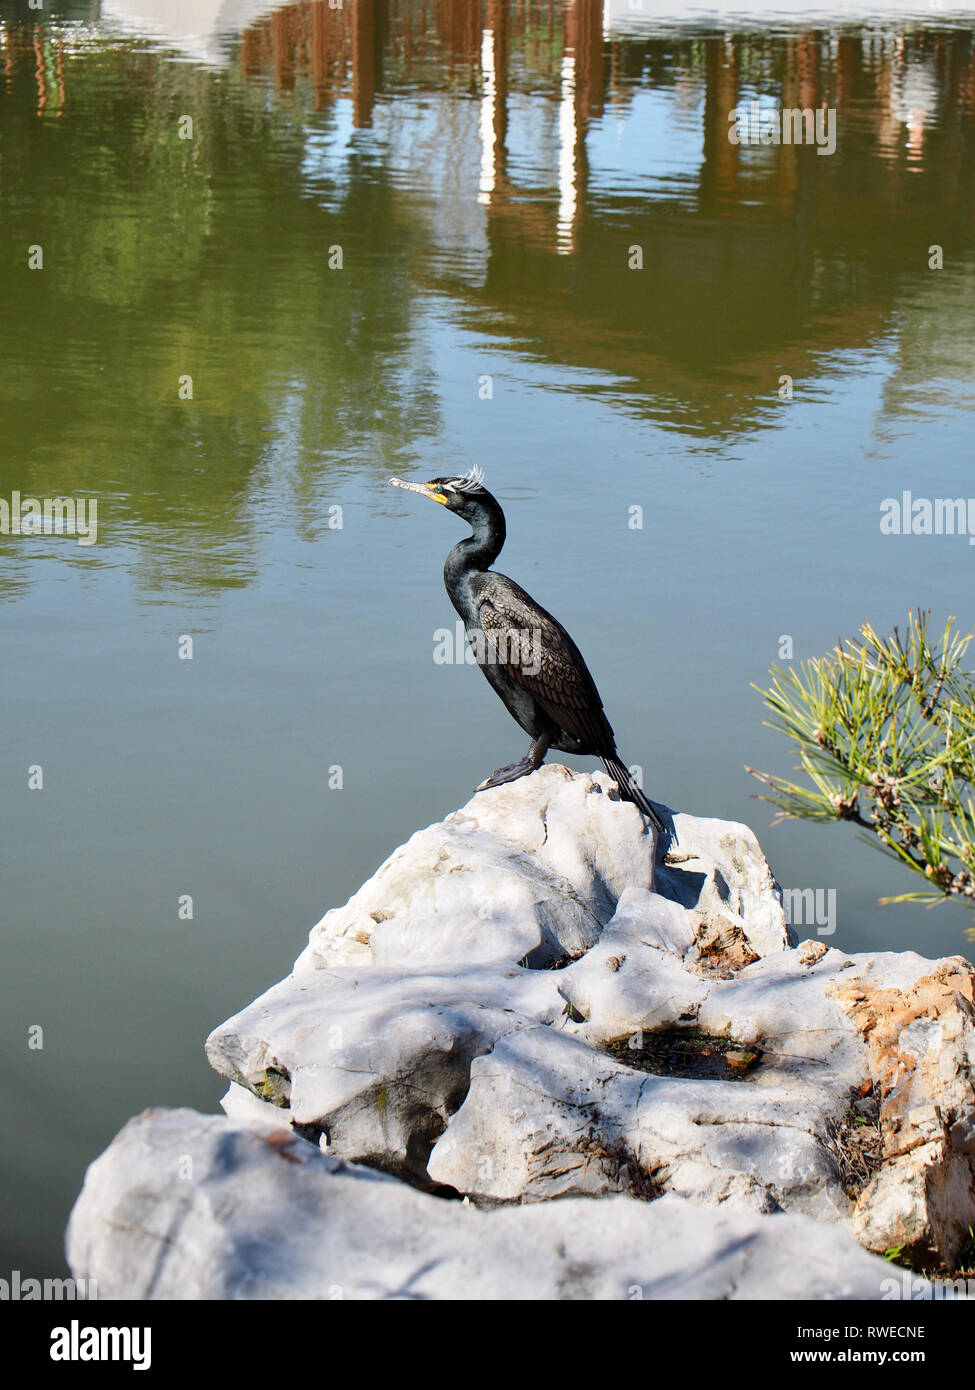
{"x":186,"y":1206}
{"x":240,"y":1104}
{"x":523,"y":1004}
{"x":418,"y":1032}
{"x":535,"y":873}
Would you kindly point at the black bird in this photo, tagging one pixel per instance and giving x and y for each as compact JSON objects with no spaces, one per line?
{"x":524,"y":652}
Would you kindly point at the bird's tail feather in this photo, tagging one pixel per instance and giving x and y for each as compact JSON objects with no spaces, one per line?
{"x":629,"y":789}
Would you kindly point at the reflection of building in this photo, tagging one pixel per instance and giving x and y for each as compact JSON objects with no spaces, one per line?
{"x":201,"y":30}
{"x":526,"y":145}
{"x":567,"y":60}
{"x":660,"y":16}
{"x":44,"y":50}
{"x":509,"y":166}
{"x":569,"y":52}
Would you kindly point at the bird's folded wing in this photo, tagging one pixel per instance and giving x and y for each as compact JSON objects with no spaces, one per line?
{"x":538,"y":654}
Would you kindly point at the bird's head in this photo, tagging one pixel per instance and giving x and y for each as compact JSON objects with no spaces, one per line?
{"x":465,"y":495}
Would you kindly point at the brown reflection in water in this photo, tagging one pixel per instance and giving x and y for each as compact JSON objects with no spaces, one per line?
{"x":40,"y":72}
{"x":562,"y":49}
{"x":362,"y":20}
{"x":758,"y":262}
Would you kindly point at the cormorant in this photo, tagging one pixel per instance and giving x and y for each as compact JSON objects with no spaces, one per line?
{"x":524,"y":652}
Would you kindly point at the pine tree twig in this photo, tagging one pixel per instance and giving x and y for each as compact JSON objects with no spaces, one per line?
{"x":884,"y":730}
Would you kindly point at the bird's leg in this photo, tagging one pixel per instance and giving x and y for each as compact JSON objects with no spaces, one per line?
{"x":533,"y":759}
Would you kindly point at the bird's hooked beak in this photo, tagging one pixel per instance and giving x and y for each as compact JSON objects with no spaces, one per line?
{"x":424,"y":489}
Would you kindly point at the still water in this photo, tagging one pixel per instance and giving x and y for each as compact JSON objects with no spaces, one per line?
{"x":397,"y":238}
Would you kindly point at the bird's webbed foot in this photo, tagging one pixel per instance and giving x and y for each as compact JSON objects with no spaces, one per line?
{"x":532,"y":760}
{"x":511,"y":773}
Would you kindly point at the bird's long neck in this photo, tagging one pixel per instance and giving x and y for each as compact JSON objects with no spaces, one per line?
{"x":477,"y":552}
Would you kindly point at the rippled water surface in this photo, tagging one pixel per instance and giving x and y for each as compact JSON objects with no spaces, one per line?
{"x":483,"y":171}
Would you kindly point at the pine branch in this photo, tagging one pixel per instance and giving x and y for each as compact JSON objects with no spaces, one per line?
{"x":884,"y":731}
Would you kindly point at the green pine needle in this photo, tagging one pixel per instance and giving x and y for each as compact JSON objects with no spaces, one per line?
{"x":884,"y":732}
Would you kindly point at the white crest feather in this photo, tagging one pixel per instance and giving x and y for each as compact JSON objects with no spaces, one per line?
{"x":470,"y":482}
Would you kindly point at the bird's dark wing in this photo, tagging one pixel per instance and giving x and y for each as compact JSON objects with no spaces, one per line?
{"x":537,"y":653}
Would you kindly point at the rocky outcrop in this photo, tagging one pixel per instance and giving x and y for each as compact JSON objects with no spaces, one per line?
{"x":187,"y":1206}
{"x":533,"y":1000}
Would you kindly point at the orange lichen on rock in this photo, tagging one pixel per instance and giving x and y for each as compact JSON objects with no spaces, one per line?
{"x":881,"y":1016}
{"x":922,"y":1056}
